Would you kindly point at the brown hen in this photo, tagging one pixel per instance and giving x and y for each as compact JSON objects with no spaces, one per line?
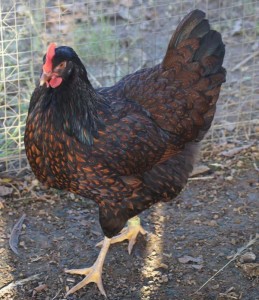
{"x":130,"y":145}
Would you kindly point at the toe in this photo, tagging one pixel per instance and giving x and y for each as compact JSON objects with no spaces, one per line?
{"x":84,"y":271}
{"x":99,"y":283}
{"x":132,"y":242}
{"x":92,"y":277}
{"x":143,"y":231}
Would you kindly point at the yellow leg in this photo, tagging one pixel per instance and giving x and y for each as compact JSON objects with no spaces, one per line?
{"x":94,"y":273}
{"x":128,"y":233}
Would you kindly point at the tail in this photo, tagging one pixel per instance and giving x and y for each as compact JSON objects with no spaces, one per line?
{"x":205,"y":45}
{"x":196,"y":49}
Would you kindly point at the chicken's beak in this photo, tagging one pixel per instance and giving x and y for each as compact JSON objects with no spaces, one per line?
{"x":45,"y":77}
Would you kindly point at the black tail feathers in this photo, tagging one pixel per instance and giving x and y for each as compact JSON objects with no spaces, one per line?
{"x":194,"y":25}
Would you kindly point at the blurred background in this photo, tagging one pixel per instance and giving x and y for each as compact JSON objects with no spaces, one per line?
{"x":117,"y":37}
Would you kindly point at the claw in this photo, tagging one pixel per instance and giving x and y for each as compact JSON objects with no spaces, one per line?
{"x":94,"y":273}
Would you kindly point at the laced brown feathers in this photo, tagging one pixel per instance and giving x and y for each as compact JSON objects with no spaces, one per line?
{"x":133,"y":144}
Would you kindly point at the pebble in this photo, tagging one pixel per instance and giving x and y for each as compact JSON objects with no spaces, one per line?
{"x":240,"y":163}
{"x":248,"y":257}
{"x":212,"y":223}
{"x":163,"y":266}
{"x":164,"y":278}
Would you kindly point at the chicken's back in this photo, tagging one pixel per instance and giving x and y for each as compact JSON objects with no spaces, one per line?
{"x":181,"y":92}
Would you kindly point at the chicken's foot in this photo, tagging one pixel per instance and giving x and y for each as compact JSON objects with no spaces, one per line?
{"x":128,"y":233}
{"x":94,"y":273}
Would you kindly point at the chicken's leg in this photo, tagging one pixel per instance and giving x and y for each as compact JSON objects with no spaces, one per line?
{"x":128,"y":233}
{"x":94,"y":273}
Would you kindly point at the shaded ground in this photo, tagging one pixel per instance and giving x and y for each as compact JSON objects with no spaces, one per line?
{"x":213,"y":217}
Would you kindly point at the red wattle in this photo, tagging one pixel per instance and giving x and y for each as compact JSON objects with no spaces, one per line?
{"x":55,"y":82}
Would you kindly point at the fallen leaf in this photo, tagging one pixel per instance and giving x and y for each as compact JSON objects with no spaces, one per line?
{"x":229,"y":126}
{"x":200,"y":170}
{"x":124,"y":13}
{"x":186,"y":259}
{"x":14,"y":237}
{"x":4,"y":190}
{"x":1,"y":203}
{"x":127,"y":3}
{"x":237,"y":28}
{"x":250,"y":269}
{"x":197,"y":267}
{"x":6,"y":180}
{"x":38,"y":289}
{"x":236,"y":150}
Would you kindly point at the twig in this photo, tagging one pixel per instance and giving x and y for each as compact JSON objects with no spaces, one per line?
{"x":57,"y":294}
{"x":245,"y":61}
{"x":15,"y":188}
{"x":254,"y":163}
{"x":255,"y":166}
{"x":236,"y":150}
{"x":12,"y":285}
{"x":14,"y":237}
{"x":201,"y":178}
{"x":238,"y":253}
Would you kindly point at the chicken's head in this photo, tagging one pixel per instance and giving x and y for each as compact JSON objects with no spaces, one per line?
{"x":58,"y":65}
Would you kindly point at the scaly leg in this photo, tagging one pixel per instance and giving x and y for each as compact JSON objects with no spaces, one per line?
{"x":128,"y":233}
{"x":94,"y":273}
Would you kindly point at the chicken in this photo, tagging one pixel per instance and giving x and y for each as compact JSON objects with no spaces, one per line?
{"x":131,"y":145}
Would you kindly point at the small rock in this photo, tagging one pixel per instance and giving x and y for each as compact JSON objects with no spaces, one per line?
{"x":240,"y":163}
{"x":167,"y":254}
{"x":229,"y":178}
{"x":247,"y":257}
{"x":163,"y":266}
{"x":161,"y":219}
{"x":197,"y":267}
{"x":215,"y":287}
{"x":22,"y":244}
{"x":72,"y":196}
{"x":164,"y":278}
{"x":211,"y":223}
{"x":197,"y":222}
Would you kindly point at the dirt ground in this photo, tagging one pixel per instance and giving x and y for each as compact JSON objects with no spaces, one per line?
{"x":191,"y":239}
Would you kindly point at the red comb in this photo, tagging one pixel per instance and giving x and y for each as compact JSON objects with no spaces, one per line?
{"x":47,"y":67}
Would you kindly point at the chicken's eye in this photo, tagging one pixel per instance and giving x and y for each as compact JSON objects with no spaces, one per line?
{"x":62,"y":65}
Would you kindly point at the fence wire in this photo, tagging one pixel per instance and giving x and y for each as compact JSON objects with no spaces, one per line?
{"x":115,"y":38}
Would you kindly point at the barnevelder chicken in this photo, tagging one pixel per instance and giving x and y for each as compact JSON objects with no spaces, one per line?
{"x":131,"y":145}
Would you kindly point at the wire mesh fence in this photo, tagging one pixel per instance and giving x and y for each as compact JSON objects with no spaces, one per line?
{"x":117,"y":37}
